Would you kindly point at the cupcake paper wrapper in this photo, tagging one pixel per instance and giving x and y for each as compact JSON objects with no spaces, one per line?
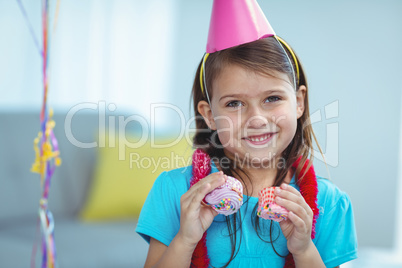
{"x":268,"y":209}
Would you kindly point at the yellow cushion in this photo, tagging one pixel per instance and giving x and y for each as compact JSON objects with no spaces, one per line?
{"x":120,"y":186}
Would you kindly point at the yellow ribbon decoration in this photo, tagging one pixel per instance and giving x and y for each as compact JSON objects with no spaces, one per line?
{"x":39,"y":166}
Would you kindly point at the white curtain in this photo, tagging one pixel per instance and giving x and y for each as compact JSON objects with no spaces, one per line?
{"x":115,"y":51}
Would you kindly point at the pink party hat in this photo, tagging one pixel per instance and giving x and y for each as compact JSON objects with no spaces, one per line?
{"x":236,"y":22}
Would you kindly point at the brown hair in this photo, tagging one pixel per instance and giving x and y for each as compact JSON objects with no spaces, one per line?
{"x":265,"y":56}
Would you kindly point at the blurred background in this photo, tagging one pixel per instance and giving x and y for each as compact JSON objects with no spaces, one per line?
{"x":126,"y":68}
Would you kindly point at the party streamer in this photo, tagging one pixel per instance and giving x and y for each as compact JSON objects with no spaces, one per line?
{"x":47,"y":154}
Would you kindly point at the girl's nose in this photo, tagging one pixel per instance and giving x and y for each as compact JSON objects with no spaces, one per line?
{"x":256,"y":119}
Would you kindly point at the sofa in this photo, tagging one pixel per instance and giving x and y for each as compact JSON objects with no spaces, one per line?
{"x":95,"y":196}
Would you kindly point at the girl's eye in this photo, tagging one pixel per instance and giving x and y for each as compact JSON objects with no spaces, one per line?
{"x":234,"y":104}
{"x":272,"y":99}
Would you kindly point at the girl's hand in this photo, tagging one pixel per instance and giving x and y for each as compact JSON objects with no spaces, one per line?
{"x":297,"y":228}
{"x":196,"y":217}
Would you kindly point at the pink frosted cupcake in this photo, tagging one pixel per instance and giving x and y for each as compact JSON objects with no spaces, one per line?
{"x":268,"y":209}
{"x":227,"y":198}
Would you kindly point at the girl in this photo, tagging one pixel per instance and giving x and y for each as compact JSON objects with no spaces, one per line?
{"x":251,"y":104}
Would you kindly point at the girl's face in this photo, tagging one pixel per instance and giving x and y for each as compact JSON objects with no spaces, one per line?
{"x":255,"y":115}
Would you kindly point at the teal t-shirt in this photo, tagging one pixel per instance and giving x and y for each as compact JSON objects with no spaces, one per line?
{"x":335,"y":229}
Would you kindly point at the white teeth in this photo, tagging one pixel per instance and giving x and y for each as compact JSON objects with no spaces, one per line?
{"x":260,"y":139}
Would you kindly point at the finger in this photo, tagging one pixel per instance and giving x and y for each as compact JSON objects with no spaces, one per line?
{"x":208,"y":215}
{"x":294,"y":207}
{"x":204,"y":188}
{"x":285,"y":191}
{"x":196,"y":201}
{"x":214,"y":179}
{"x":299,"y":224}
{"x":205,"y":206}
{"x":292,"y":194}
{"x":210,"y":179}
{"x":186,"y":198}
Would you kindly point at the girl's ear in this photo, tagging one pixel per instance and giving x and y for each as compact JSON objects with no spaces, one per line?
{"x":205,"y":110}
{"x":300,"y":95}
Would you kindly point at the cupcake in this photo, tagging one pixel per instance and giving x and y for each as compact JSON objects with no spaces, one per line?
{"x":268,"y":209}
{"x":227,"y":198}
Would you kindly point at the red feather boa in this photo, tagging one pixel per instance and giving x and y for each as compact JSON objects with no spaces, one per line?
{"x":308,"y":189}
{"x":201,"y":169}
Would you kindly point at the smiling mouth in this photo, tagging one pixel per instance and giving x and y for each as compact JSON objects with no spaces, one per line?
{"x":259,"y":138}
